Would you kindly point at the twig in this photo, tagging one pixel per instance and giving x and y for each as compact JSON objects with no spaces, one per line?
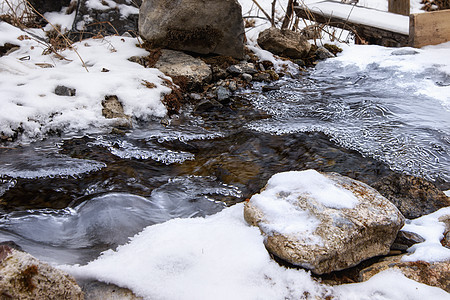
{"x":69,"y":43}
{"x":263,"y":11}
{"x":348,"y":17}
{"x":274,"y":2}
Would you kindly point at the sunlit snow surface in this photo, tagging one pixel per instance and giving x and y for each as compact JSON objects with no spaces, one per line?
{"x":432,"y":231}
{"x":393,"y":105}
{"x":279,"y":198}
{"x":95,"y":68}
{"x":222,"y":257}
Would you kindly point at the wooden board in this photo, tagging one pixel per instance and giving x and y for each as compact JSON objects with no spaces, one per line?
{"x":365,"y":32}
{"x":399,"y":7}
{"x":430,"y":28}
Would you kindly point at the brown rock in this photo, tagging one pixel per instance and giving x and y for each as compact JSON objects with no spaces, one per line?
{"x":99,"y":291}
{"x":446,"y":240}
{"x":177,"y":64}
{"x":406,"y":239}
{"x":343,"y":237}
{"x":284,"y":42}
{"x":434,"y":274}
{"x":413,"y":196}
{"x":112,"y":108}
{"x":24,"y":277}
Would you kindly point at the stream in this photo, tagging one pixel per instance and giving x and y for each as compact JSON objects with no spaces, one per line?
{"x":66,"y":199}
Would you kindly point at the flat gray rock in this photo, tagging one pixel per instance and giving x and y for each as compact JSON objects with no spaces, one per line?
{"x":176,"y":64}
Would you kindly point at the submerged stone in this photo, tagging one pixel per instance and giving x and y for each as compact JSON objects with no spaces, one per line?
{"x":413,"y":196}
{"x":323,"y":222}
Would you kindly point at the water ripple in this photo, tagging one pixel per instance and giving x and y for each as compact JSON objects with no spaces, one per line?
{"x":377,"y":112}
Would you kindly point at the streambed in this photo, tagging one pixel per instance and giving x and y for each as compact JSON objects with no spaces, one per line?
{"x":66,"y":199}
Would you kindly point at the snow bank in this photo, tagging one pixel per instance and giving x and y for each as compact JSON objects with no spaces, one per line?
{"x":27,"y":93}
{"x":221,"y":257}
{"x":217,"y":257}
{"x":389,"y":284}
{"x":432,"y":231}
{"x":278,"y":202}
{"x":431,"y":60}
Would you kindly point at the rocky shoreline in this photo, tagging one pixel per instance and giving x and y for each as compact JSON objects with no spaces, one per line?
{"x":207,"y":80}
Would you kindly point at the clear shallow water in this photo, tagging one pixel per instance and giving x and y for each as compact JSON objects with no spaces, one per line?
{"x":67,"y":199}
{"x":79,"y":234}
{"x":379,"y":112}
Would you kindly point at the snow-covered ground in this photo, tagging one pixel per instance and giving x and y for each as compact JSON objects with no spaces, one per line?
{"x":29,"y":79}
{"x":220,"y":256}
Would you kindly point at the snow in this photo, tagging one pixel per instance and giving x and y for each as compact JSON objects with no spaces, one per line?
{"x":389,"y":284}
{"x":27,"y":91}
{"x":311,"y":183}
{"x":406,"y":62}
{"x":278,"y":202}
{"x":432,"y":231}
{"x":59,"y":18}
{"x":221,"y":257}
{"x":217,"y":257}
{"x":362,"y":15}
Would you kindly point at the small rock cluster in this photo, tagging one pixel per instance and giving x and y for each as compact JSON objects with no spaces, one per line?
{"x":208,"y":82}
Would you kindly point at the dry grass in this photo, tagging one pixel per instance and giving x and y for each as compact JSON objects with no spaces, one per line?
{"x":18,"y":13}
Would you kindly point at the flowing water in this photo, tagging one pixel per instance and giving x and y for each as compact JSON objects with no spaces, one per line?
{"x":68,"y":198}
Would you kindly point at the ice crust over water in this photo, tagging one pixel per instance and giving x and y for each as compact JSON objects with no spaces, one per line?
{"x":394,"y":108}
{"x":39,"y":165}
{"x":126,"y":149}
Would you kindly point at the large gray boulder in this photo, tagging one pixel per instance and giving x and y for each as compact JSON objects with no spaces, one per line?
{"x":323,"y":222}
{"x":284,"y":42}
{"x":24,"y":277}
{"x":212,"y":26}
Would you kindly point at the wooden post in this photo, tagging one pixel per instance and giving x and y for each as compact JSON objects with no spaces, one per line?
{"x":400,"y":7}
{"x":288,"y":16}
{"x":429,"y":28}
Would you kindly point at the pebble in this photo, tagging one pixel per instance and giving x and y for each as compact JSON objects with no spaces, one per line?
{"x":62,"y":90}
{"x":247,"y":77}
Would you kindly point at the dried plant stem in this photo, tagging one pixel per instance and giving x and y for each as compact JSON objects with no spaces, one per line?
{"x":263,"y":11}
{"x":69,"y":43}
{"x":274,"y":2}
